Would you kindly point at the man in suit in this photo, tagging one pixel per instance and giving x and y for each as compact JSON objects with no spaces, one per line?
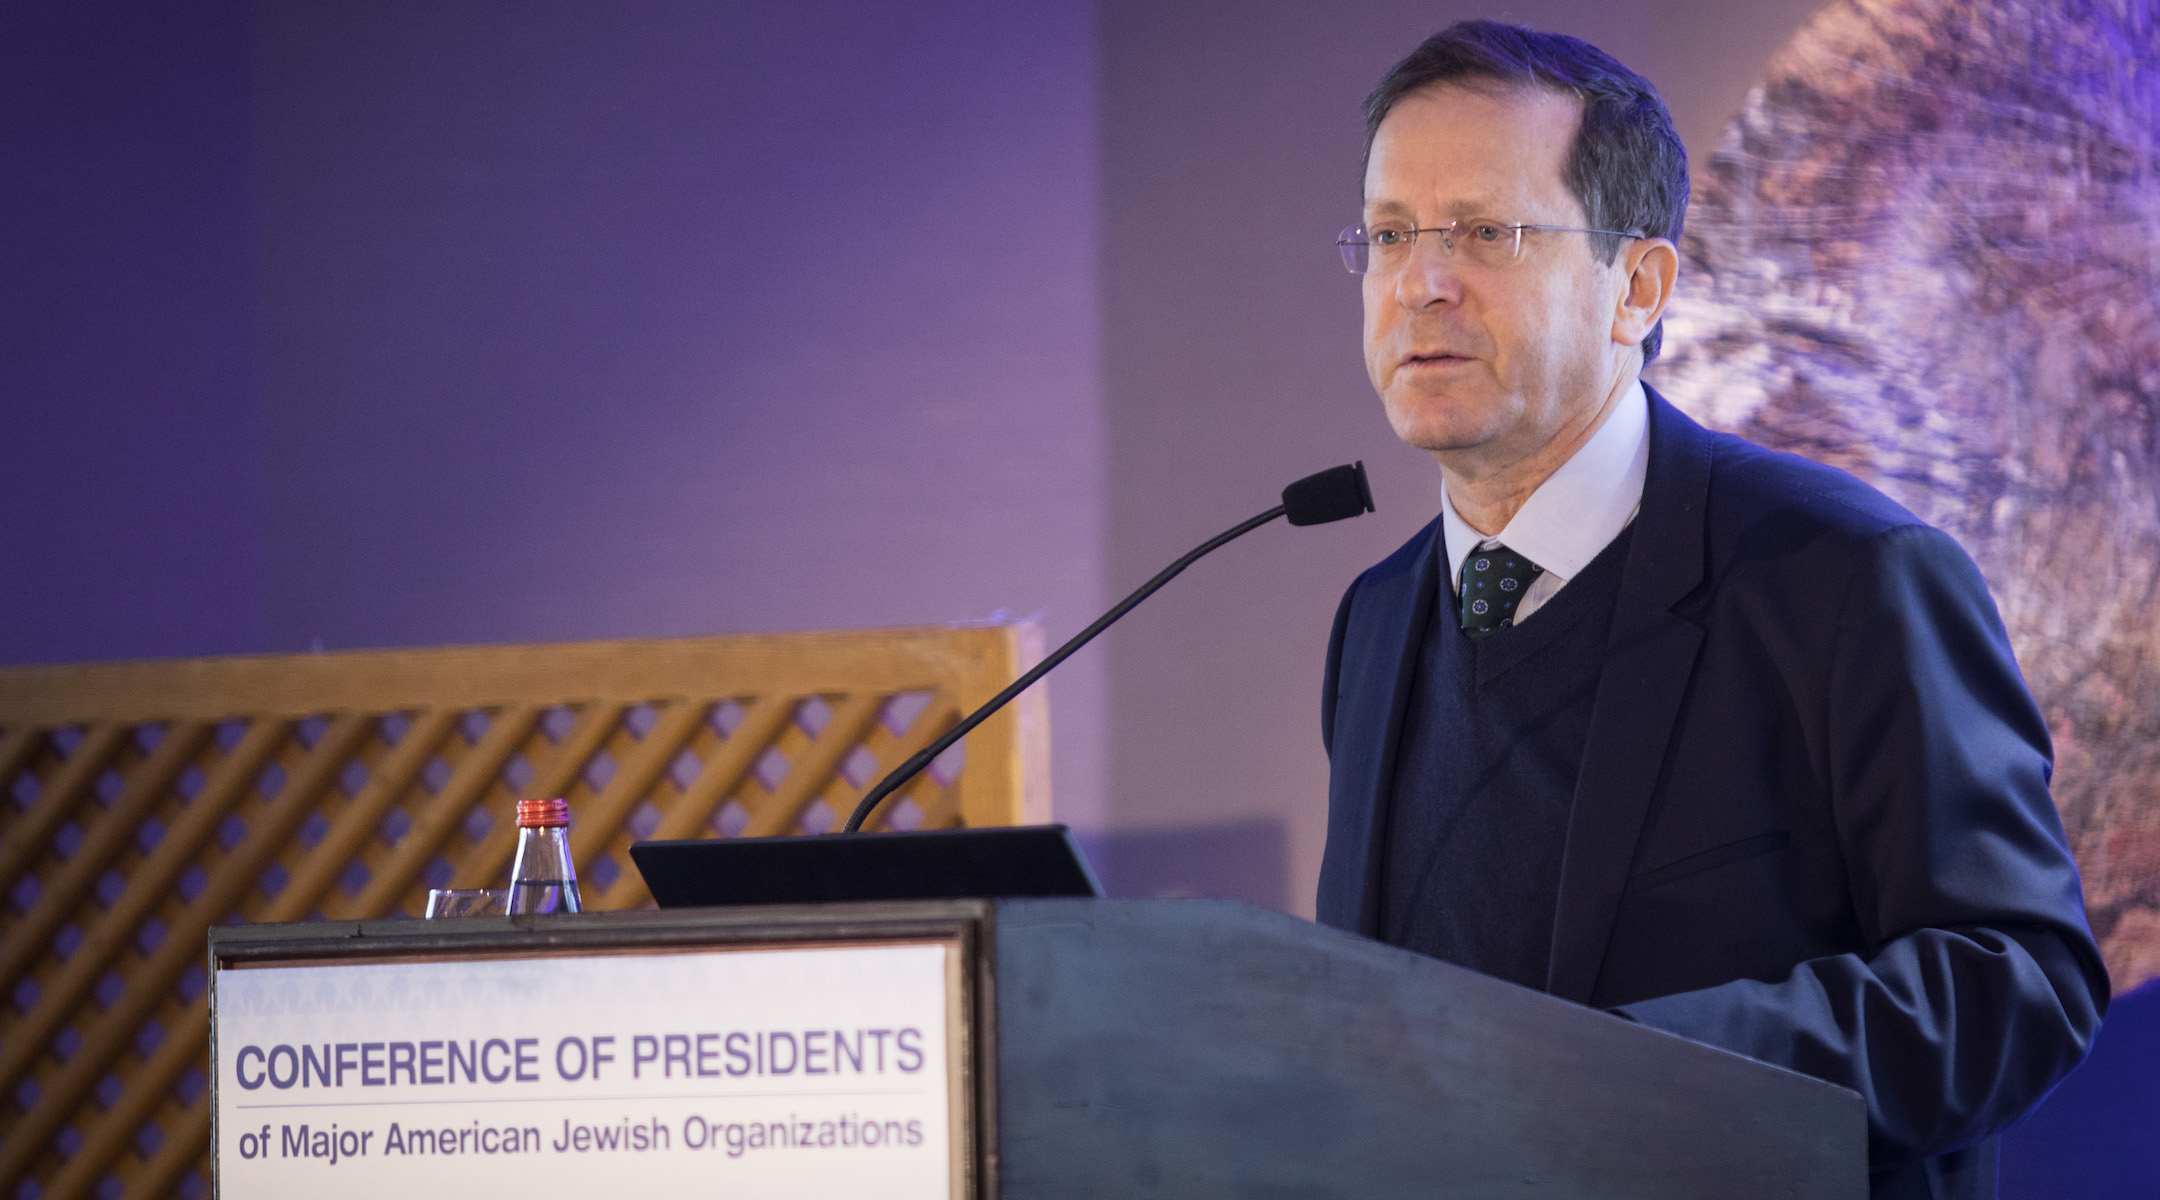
{"x":1651,"y":718}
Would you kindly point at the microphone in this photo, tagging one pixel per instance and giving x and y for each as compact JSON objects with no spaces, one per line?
{"x":1331,"y":495}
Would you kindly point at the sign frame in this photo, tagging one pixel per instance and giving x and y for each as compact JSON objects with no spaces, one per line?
{"x":965,"y":925}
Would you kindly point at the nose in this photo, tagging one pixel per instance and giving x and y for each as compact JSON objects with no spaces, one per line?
{"x":1429,"y":276}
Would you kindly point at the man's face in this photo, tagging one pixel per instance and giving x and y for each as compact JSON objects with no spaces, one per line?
{"x":1494,"y":362}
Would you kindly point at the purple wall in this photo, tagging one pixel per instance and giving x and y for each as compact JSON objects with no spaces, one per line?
{"x":131,"y":514}
{"x":571,"y":322}
{"x":679,"y":318}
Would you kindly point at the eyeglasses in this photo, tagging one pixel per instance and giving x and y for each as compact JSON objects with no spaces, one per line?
{"x":1484,"y":243}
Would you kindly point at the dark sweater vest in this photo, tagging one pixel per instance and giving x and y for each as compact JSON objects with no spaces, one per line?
{"x":1485,"y":777}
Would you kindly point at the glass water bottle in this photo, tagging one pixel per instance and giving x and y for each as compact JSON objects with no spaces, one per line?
{"x":542,"y":878}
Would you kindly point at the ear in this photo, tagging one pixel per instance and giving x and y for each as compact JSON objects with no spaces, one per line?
{"x":1648,"y":267}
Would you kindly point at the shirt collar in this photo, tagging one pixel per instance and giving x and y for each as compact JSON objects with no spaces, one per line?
{"x":1580,"y":508}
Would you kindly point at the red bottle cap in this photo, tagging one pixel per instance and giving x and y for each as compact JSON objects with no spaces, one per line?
{"x":542,"y":814}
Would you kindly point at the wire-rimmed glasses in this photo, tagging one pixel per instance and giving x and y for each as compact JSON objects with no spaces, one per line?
{"x":1483,"y":242}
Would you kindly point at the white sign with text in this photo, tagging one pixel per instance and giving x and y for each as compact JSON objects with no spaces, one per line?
{"x":802,"y":1072}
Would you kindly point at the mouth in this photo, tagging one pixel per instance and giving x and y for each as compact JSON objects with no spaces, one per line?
{"x":1436,"y":358}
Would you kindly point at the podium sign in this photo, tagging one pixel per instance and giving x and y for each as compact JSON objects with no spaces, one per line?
{"x":1026,"y":1049}
{"x":659,"y":1070}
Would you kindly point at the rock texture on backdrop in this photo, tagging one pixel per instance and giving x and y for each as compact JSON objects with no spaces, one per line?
{"x":1928,"y":252}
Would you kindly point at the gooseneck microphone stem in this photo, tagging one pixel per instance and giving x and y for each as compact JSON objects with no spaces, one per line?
{"x":922,"y":758}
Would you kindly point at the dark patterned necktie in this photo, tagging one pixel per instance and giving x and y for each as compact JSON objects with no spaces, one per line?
{"x":1493,"y":583}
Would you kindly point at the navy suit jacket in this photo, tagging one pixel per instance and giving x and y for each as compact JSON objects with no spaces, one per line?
{"x":1812,"y":823}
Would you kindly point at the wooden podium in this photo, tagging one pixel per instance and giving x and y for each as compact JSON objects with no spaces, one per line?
{"x":1200,"y":1048}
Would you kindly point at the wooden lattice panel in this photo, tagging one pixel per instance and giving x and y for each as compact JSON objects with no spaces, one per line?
{"x":142,"y":802}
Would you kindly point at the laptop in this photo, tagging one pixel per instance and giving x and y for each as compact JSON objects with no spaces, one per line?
{"x":942,"y":864}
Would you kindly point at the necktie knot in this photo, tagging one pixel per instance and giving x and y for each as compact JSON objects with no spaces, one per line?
{"x":1493,"y":583}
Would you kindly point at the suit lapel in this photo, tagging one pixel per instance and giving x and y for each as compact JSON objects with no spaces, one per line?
{"x":1379,"y":664}
{"x":1649,"y":660}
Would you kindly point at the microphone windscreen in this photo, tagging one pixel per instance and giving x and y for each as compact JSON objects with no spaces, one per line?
{"x":1332,"y":495}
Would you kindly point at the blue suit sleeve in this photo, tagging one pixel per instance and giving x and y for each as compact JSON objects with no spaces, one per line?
{"x":1980,"y":986}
